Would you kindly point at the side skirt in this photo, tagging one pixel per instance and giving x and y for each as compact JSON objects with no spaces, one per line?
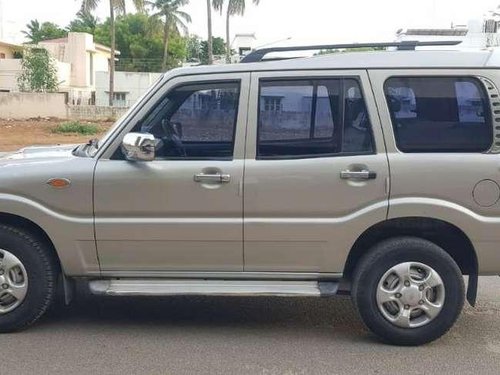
{"x":168,"y":287}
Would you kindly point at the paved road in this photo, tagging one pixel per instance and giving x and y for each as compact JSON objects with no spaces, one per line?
{"x":242,"y":336}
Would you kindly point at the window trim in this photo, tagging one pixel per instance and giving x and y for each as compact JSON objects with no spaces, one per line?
{"x":237,"y":81}
{"x":341,"y":117}
{"x":487,"y":101}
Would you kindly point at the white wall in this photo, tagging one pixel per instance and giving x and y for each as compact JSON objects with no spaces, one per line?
{"x":28,"y":105}
{"x":9,"y":71}
{"x":133,"y":84}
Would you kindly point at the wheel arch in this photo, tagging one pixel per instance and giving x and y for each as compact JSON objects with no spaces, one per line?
{"x":32,"y":228}
{"x":444,"y":234}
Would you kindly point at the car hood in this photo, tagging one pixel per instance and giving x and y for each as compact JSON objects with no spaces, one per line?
{"x":40,"y":152}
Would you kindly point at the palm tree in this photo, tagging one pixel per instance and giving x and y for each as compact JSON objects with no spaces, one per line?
{"x":33,"y":32}
{"x":234,"y":7}
{"x":84,"y":22}
{"x":173,"y":18}
{"x":114,"y":6}
{"x":210,"y":34}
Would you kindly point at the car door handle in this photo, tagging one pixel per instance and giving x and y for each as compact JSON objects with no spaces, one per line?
{"x":217,"y":178}
{"x":358,"y":175}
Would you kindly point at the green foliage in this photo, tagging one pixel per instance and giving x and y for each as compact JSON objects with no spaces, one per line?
{"x":193,"y":48}
{"x":174,"y":22}
{"x":197,"y":49}
{"x":139,"y":39}
{"x":38,"y":71}
{"x":219,"y":48}
{"x":76,"y":127}
{"x":84,"y":22}
{"x":176,"y":51}
{"x":37,"y":32}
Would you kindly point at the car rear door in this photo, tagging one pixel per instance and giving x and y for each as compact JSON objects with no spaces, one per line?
{"x":316,"y":171}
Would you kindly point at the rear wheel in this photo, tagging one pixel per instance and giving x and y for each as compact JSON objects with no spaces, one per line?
{"x":408,"y":291}
{"x":28,"y":274}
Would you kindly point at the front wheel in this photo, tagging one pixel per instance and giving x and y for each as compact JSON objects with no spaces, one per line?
{"x":408,"y":291}
{"x":28,"y":274}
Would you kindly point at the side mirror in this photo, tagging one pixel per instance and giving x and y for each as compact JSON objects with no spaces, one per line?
{"x":139,"y":147}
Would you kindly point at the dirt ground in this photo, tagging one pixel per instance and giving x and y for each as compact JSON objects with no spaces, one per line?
{"x":15,"y":134}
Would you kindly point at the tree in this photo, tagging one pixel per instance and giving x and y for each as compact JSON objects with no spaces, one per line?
{"x":114,"y":5}
{"x":38,"y":71}
{"x":234,"y":7}
{"x":219,"y":49}
{"x":210,"y":50}
{"x":174,"y":21}
{"x":139,"y":39}
{"x":37,"y":32}
{"x":85,"y":22}
{"x":193,"y":48}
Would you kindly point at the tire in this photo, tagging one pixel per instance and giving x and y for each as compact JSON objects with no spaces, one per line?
{"x":41,"y":269}
{"x":372,"y":276}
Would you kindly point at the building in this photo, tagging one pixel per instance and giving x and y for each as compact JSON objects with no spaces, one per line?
{"x":77,"y":59}
{"x":85,"y":59}
{"x":477,"y":34}
{"x":243,"y":43}
{"x":129,"y":86}
{"x":8,"y":51}
{"x":9,"y":66}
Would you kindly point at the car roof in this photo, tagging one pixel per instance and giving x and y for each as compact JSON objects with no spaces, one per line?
{"x":426,"y":59}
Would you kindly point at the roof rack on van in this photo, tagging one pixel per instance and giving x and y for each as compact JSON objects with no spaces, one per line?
{"x":407,"y":45}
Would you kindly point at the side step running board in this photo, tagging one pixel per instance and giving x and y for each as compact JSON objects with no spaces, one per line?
{"x":133,"y":287}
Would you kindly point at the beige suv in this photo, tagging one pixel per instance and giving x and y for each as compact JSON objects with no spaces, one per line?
{"x":375,"y":170}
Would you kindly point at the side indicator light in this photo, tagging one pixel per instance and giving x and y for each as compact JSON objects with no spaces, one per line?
{"x":59,"y":183}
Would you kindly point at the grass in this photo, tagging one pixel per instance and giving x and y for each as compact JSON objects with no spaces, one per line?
{"x":76,"y":127}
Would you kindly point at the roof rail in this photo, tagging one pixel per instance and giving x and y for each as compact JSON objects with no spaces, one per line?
{"x":407,"y":45}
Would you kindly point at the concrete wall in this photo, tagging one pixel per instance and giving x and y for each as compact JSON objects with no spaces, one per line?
{"x":28,"y":105}
{"x":131,"y":84}
{"x":94,"y":112}
{"x":9,"y":71}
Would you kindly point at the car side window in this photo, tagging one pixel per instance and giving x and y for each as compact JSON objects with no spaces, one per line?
{"x":312,"y":118}
{"x":439,"y":114}
{"x":195,"y":121}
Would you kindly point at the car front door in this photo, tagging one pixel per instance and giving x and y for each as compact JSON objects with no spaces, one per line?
{"x":316,"y":174}
{"x":183,"y":211}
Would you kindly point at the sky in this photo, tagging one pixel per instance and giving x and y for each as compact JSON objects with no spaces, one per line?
{"x":275,"y":21}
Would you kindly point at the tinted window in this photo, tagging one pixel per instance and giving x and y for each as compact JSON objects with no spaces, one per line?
{"x":439,"y":114}
{"x":312,"y":118}
{"x":196,"y":121}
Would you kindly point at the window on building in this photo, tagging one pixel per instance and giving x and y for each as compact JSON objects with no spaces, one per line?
{"x":439,"y":114}
{"x":272,"y":104}
{"x":312,"y":118}
{"x":2,"y":55}
{"x":120,"y":99}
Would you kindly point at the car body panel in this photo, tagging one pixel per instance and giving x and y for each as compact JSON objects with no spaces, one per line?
{"x":154,"y":216}
{"x":441,"y":185}
{"x":65,"y":214}
{"x":300,"y":219}
{"x":299,"y":214}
